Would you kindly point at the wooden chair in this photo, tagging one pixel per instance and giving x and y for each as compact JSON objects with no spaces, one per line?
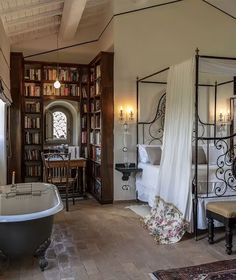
{"x":57,"y":171}
{"x":225,"y":212}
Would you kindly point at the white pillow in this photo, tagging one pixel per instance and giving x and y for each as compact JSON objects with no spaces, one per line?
{"x":154,"y":155}
{"x":142,"y":153}
{"x":214,"y":153}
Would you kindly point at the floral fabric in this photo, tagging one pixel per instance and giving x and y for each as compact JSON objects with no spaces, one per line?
{"x":165,"y":223}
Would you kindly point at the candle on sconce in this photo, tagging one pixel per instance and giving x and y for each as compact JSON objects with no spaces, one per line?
{"x":228,"y":116}
{"x":130,"y":113}
{"x":121,"y":117}
{"x":13,"y":178}
{"x":221,"y":117}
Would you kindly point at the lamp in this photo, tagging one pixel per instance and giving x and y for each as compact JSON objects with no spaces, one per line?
{"x":127,"y":115}
{"x":221,"y":117}
{"x":57,"y":84}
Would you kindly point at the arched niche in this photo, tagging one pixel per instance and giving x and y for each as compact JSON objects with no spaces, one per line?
{"x":71,"y":110}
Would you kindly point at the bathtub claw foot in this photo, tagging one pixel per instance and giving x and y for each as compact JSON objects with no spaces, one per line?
{"x":3,"y":257}
{"x":43,"y":263}
{"x":40,"y":254}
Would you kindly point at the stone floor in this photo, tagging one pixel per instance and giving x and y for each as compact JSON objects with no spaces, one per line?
{"x":108,"y":242}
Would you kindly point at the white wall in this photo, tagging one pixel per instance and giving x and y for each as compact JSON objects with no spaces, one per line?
{"x":5,"y":76}
{"x":153,"y":39}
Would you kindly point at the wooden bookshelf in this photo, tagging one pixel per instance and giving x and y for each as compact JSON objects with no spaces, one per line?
{"x":90,"y":85}
{"x":100,"y":128}
{"x":38,"y":88}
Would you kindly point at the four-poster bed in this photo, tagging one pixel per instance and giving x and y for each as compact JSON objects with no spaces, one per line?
{"x":213,"y":172}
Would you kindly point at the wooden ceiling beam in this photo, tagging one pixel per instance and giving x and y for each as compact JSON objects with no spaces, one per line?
{"x":30,"y":35}
{"x":33,"y":18}
{"x":31,"y":6}
{"x":35,"y":28}
{"x":71,"y":17}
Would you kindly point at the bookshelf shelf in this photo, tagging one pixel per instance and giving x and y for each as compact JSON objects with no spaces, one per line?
{"x":62,"y":82}
{"x":32,"y":81}
{"x":51,"y":97}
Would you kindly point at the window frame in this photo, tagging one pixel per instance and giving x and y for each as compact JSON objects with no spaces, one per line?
{"x":69,"y":117}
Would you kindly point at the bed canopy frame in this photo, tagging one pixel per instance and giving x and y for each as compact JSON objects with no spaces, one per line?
{"x":226,"y":163}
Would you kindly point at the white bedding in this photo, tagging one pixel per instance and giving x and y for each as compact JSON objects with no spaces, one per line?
{"x":147,"y":186}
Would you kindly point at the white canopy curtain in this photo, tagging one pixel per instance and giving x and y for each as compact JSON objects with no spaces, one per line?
{"x":169,"y":219}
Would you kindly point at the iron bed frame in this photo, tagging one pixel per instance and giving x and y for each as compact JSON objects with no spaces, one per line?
{"x":226,"y":163}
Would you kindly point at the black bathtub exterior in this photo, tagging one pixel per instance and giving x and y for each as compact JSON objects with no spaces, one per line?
{"x":25,"y":238}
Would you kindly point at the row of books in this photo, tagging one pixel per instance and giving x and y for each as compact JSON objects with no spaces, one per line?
{"x":95,"y":138}
{"x":32,"y":138}
{"x":33,"y":170}
{"x":97,"y":188}
{"x":64,"y":90}
{"x":69,"y":74}
{"x":33,"y":74}
{"x":32,"y":154}
{"x":95,"y":105}
{"x":32,"y":90}
{"x":95,"y":153}
{"x":84,"y":92}
{"x":98,"y":71}
{"x":84,"y":151}
{"x":92,"y":74}
{"x":95,"y":122}
{"x":96,"y":171}
{"x":84,"y":78}
{"x":98,"y":87}
{"x":85,"y":108}
{"x":84,"y":122}
{"x":84,"y":137}
{"x":63,"y":74}
{"x":32,"y":107}
{"x":32,"y":122}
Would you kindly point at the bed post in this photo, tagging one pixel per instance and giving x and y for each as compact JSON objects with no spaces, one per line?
{"x":137,"y":117}
{"x":215,"y":109}
{"x":195,"y":196}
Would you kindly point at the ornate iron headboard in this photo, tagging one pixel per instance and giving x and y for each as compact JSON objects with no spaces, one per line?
{"x":155,"y":127}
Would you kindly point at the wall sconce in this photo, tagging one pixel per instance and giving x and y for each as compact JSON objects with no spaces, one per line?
{"x":126,"y":115}
{"x":221,"y":117}
{"x":224,"y":117}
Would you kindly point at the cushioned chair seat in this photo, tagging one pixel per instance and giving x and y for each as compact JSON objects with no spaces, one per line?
{"x":226,"y":209}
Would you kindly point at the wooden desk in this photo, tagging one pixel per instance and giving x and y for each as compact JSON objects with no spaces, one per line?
{"x":76,"y":163}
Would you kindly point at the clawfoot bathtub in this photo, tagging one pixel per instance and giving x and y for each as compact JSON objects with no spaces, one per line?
{"x":26,"y":219}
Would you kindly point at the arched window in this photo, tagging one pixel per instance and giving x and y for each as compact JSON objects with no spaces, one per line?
{"x":59,"y":123}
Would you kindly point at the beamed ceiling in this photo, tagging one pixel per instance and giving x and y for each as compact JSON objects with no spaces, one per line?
{"x":24,"y":20}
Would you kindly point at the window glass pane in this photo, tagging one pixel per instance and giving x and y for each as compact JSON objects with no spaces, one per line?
{"x":59,"y":125}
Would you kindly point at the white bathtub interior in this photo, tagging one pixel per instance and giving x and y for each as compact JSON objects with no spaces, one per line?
{"x":28,"y":201}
